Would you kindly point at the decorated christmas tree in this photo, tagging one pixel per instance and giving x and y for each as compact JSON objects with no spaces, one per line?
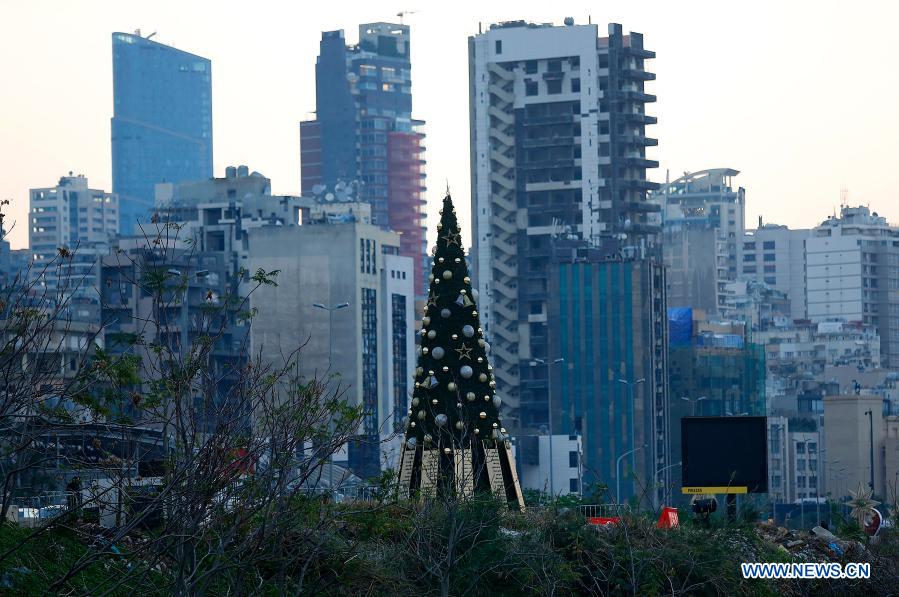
{"x":455,"y":443}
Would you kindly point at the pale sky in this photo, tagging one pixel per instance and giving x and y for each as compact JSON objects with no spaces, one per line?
{"x":798,"y":96}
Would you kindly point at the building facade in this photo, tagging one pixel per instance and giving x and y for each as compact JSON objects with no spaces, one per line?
{"x":364,"y":132}
{"x":702,"y":216}
{"x":75,"y":219}
{"x":852,"y":274}
{"x":339,"y":257}
{"x":161,"y":123}
{"x":558,"y":150}
{"x":610,"y":328}
{"x":775,"y":255}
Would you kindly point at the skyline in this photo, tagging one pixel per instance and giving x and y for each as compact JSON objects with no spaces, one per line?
{"x":798,"y":129}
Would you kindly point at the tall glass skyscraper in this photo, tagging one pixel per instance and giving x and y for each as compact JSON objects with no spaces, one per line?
{"x":161,"y":124}
{"x":364,"y":132}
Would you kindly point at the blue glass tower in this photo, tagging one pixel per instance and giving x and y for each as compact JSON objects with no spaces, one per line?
{"x":161,"y":124}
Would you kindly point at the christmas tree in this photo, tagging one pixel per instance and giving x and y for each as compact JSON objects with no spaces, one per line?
{"x":455,"y":443}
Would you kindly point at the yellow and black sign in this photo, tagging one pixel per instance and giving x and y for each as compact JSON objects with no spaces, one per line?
{"x":713,"y":490}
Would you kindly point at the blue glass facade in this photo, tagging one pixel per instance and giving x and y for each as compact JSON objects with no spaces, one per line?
{"x":610,"y":326}
{"x":161,"y":124}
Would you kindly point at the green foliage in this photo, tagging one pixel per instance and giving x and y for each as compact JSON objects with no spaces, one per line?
{"x":39,"y":561}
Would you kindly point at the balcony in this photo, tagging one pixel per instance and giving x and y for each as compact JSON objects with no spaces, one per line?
{"x":638,"y":74}
{"x":639,"y":118}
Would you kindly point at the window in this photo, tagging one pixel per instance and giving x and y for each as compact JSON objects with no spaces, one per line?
{"x":554,"y":66}
{"x":400,"y":374}
{"x":499,"y":46}
{"x":530,"y":87}
{"x":554,"y":87}
{"x":770,"y":280}
{"x":768,"y":245}
{"x":749,"y":246}
{"x":770,"y":269}
{"x":769,"y":256}
{"x":749,"y":269}
{"x":530,"y":67}
{"x":575,"y":85}
{"x":573,"y":485}
{"x":749,"y":257}
{"x":370,"y":362}
{"x":572,"y":459}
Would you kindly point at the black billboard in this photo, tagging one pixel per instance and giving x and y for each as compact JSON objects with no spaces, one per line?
{"x":724,"y":455}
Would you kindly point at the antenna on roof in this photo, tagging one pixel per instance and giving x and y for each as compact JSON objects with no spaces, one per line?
{"x":403,"y":13}
{"x":151,"y":35}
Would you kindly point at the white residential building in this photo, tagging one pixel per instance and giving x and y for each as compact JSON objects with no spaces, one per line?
{"x":775,"y":255}
{"x":78,"y":219}
{"x":852,"y":274}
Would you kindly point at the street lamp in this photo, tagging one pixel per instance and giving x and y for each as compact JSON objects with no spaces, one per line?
{"x":330,"y":311}
{"x":549,"y":408}
{"x":618,"y":473}
{"x":630,"y":386}
{"x":870,"y":414}
{"x":662,"y":470}
{"x":694,"y":401}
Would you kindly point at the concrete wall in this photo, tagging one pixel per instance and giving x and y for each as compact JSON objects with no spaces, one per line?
{"x":847,"y":440}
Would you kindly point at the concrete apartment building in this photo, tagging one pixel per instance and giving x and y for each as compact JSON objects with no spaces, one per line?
{"x":702,"y":217}
{"x":775,"y":255}
{"x":857,"y":432}
{"x":558,"y":149}
{"x":851,"y":274}
{"x":339,"y":257}
{"x":75,"y":217}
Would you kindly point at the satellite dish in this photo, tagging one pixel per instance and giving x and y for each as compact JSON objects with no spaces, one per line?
{"x":329,"y":197}
{"x":318,"y":189}
{"x":339,"y":186}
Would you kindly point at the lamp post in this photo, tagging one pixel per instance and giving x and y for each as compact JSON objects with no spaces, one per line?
{"x":694,"y":401}
{"x":662,"y":470}
{"x":330,"y":311}
{"x":631,"y":384}
{"x":804,"y":443}
{"x":549,"y":408}
{"x":618,"y":473}
{"x":870,"y":414}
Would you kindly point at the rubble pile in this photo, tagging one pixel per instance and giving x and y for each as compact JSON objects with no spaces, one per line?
{"x":819,"y":545}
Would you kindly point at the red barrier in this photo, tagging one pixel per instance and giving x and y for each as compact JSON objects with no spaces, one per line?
{"x":668,"y":519}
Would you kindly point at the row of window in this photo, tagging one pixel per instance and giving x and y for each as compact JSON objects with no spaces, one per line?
{"x":553,"y":86}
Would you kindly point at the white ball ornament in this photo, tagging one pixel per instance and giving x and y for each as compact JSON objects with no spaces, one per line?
{"x":466,"y":371}
{"x":467,"y":331}
{"x":482,"y":377}
{"x":440,"y":420}
{"x":451,"y":386}
{"x":459,"y":425}
{"x":432,"y":334}
{"x":437,"y":352}
{"x":470,"y":396}
{"x":445,"y":313}
{"x":447,"y":275}
{"x":426,"y":320}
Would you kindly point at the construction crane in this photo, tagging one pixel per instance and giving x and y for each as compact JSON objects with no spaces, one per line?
{"x":403,"y":13}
